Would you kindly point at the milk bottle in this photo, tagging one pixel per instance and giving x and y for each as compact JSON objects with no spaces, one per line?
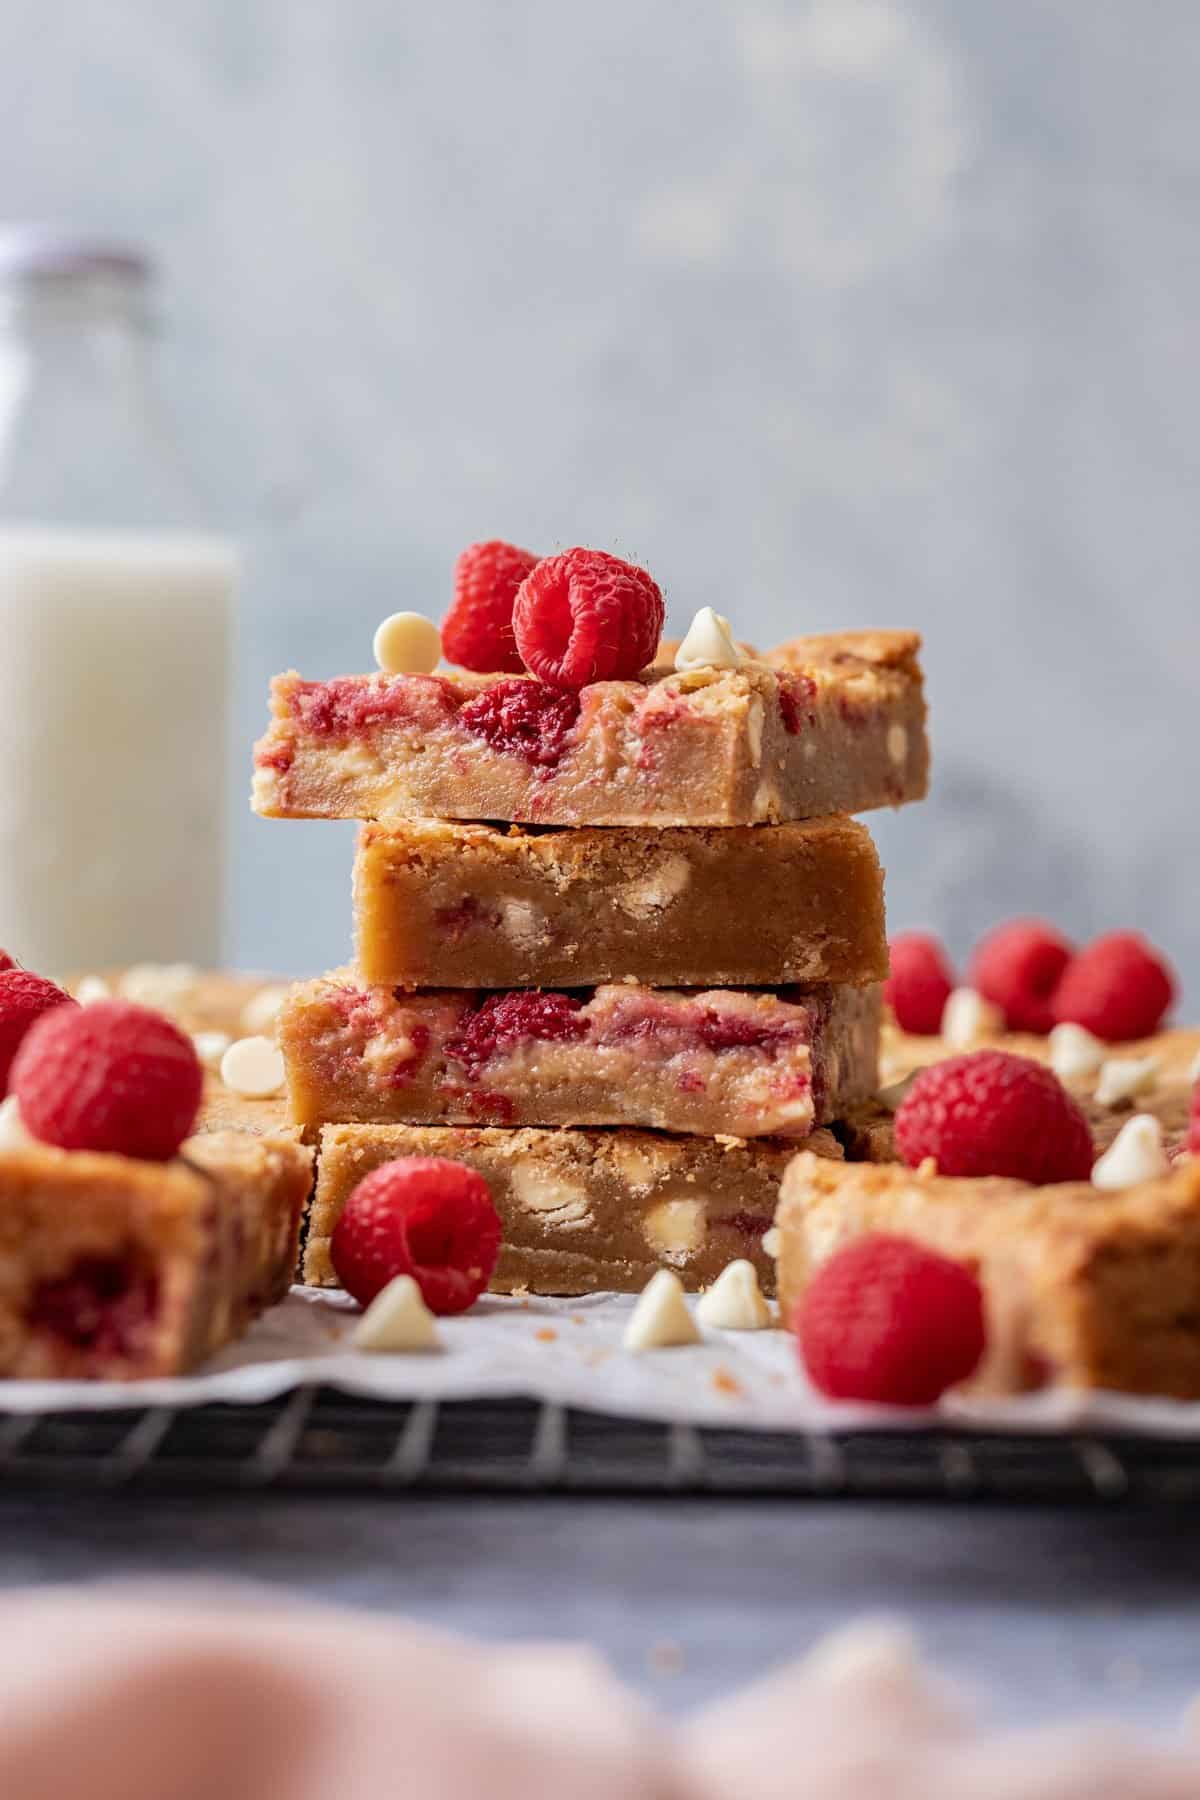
{"x":114,"y":631}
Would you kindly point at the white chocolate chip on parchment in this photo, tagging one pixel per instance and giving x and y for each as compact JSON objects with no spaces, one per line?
{"x":660,"y":1318}
{"x":397,"y":1320}
{"x":1074,"y":1051}
{"x":708,"y":644}
{"x":967,"y":1018}
{"x":735,"y":1301}
{"x":407,"y":643}
{"x":253,"y":1067}
{"x":1123,"y":1077}
{"x":1136,"y":1154}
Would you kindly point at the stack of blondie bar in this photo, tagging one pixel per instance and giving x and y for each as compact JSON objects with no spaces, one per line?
{"x":618,"y":949}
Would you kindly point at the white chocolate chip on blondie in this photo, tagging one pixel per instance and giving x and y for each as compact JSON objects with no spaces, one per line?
{"x":655,"y":890}
{"x":1123,"y":1077}
{"x":1074,"y":1051}
{"x":13,"y":1135}
{"x":262,"y":1010}
{"x":897,"y":745}
{"x":708,"y":644}
{"x":1135,"y":1154}
{"x":540,"y":1192}
{"x":407,"y":643}
{"x":967,"y":1018}
{"x":253,"y":1068}
{"x":92,"y":989}
{"x":675,"y":1227}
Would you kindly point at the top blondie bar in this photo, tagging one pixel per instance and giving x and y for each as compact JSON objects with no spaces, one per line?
{"x":821,"y":725}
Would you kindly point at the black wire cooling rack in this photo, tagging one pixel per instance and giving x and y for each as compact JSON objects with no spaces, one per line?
{"x":320,"y":1440}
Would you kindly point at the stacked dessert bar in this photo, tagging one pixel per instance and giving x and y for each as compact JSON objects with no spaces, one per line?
{"x":618,"y":948}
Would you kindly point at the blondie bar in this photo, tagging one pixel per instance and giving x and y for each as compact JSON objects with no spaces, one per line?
{"x":115,"y":1269}
{"x":1091,"y":1289}
{"x":825,"y":725}
{"x":753,"y":1063}
{"x":583,"y":1211}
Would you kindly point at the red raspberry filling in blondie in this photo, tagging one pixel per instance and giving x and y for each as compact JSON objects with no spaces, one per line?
{"x":747,"y":1063}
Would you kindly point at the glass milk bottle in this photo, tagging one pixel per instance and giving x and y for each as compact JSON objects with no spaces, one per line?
{"x":115,"y":612}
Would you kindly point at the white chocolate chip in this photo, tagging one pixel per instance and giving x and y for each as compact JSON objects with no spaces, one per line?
{"x":1123,"y":1077}
{"x":523,"y":922}
{"x":968,"y":1017}
{"x":91,"y":989}
{"x":539,"y":1192}
{"x":13,"y":1135}
{"x":755,"y":715}
{"x":890,"y":1097}
{"x":735,"y":1301}
{"x":211,"y":1046}
{"x":878,"y":1651}
{"x":772,"y":1242}
{"x":1135,"y":1154}
{"x":397,"y":1320}
{"x":633,"y":1165}
{"x":657,"y":888}
{"x":262,"y":1010}
{"x":1074,"y":1051}
{"x":675,"y":1227}
{"x":660,"y":1318}
{"x":253,"y":1068}
{"x":897,"y":745}
{"x":160,"y":985}
{"x":407,"y":643}
{"x":709,"y":644}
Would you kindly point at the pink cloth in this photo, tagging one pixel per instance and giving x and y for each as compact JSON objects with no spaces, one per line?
{"x":174,"y":1694}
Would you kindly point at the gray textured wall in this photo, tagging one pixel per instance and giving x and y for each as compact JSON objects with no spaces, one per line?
{"x":842,"y":312}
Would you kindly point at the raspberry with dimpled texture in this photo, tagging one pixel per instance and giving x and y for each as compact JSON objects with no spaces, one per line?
{"x":478,"y":629}
{"x":889,"y":1321}
{"x":111,"y":1077}
{"x":919,"y":983}
{"x":586,"y":616}
{"x":504,"y":1020}
{"x":6,"y":961}
{"x":23,"y":1000}
{"x":423,"y":1216}
{"x":992,"y":1113}
{"x":1017,"y":967}
{"x":1118,"y":987}
{"x":523,"y":718}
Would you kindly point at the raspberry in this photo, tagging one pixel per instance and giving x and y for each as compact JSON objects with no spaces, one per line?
{"x":1017,"y":967}
{"x":113,"y":1077}
{"x":992,"y":1113}
{"x":523,"y":718}
{"x":23,"y":999}
{"x":6,"y":961}
{"x":102,"y":1305}
{"x":507,"y":1019}
{"x":478,"y":632}
{"x":889,"y":1321}
{"x":1193,"y":1137}
{"x":587,"y":616}
{"x":1117,"y":988}
{"x":920,"y":982}
{"x":422,"y":1216}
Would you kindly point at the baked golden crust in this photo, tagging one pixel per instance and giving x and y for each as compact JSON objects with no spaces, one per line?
{"x":1096,"y":1290}
{"x":118,"y":1269}
{"x":822,"y":726}
{"x":583,"y":1211}
{"x":444,"y":904}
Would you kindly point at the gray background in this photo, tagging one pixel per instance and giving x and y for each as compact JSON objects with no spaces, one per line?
{"x":848,"y":312}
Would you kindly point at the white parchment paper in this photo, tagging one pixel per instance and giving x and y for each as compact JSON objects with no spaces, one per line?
{"x":569,"y":1352}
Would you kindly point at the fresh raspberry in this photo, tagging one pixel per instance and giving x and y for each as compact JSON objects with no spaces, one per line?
{"x":992,"y":1113}
{"x":1017,"y":967}
{"x":112,"y":1076}
{"x":523,"y":718}
{"x":507,"y":1019}
{"x":478,"y":630}
{"x":587,"y":616}
{"x":887,"y":1320}
{"x":920,"y":983}
{"x":1193,"y":1138}
{"x":1117,"y":988}
{"x":6,"y":961}
{"x":23,"y":999}
{"x":422,"y":1216}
